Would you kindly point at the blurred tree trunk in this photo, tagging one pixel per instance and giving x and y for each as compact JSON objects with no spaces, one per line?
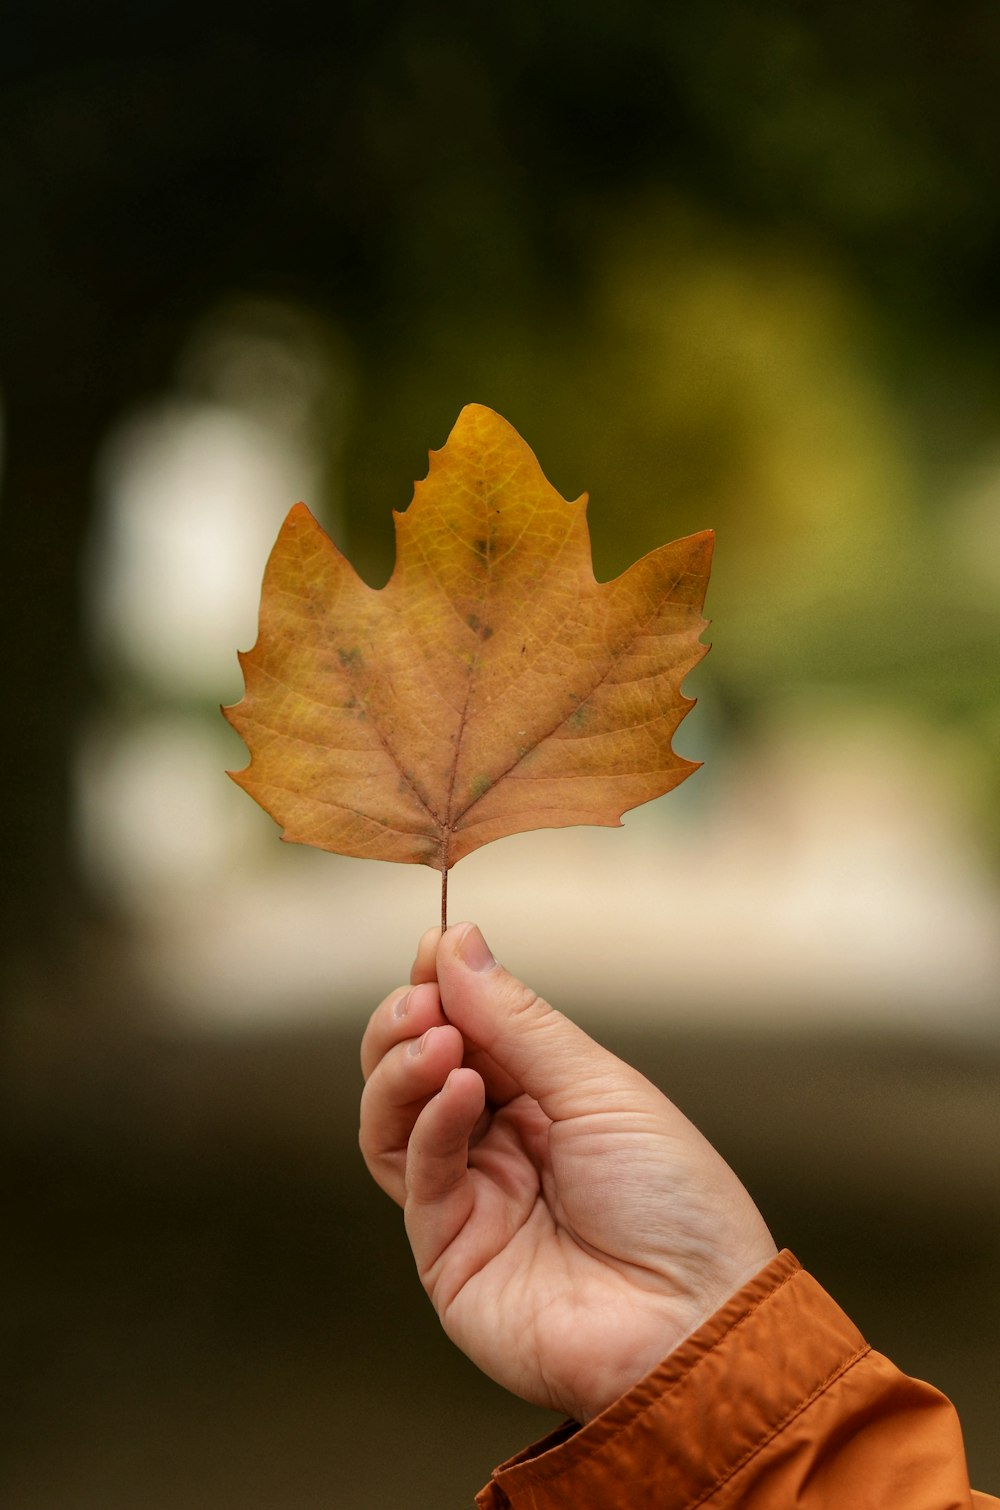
{"x":52,"y":432}
{"x":76,"y":347}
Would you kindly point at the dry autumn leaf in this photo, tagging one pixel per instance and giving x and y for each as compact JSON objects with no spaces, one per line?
{"x":492,"y":686}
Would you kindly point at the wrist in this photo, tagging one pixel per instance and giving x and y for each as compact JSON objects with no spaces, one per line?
{"x":665,"y":1326}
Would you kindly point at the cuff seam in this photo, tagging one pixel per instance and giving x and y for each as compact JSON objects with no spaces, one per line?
{"x":551,"y":1470}
{"x":842,"y":1368}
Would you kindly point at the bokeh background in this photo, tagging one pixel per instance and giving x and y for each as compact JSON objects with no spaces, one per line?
{"x":721,"y":265}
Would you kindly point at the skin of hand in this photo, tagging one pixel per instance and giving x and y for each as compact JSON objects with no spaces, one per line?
{"x":569,"y":1224}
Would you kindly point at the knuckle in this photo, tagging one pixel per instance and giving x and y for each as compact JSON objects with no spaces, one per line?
{"x":524,"y":1002}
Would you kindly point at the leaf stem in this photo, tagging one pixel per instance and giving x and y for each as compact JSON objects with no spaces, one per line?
{"x":444,"y":900}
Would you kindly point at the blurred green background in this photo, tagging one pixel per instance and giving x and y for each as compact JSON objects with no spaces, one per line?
{"x":721,"y":266}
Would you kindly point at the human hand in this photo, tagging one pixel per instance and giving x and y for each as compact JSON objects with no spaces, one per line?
{"x":570,"y":1225}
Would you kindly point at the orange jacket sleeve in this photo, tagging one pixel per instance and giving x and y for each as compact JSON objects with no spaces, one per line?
{"x":776,"y":1402}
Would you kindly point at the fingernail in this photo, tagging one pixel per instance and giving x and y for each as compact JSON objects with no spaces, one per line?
{"x":417,"y":1045}
{"x":402,"y":1006}
{"x":474,"y":951}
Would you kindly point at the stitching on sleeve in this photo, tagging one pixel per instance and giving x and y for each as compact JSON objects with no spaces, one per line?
{"x":548,"y":1471}
{"x":748,"y":1457}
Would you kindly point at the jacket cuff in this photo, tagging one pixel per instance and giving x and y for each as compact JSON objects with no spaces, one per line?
{"x":700,"y":1415}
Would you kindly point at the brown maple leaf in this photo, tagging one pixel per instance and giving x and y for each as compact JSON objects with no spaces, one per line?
{"x":492,"y":686}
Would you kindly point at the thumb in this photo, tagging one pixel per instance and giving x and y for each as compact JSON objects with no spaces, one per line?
{"x":549,"y":1057}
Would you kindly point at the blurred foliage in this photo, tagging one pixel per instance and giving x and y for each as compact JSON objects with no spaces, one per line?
{"x":721,"y":265}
